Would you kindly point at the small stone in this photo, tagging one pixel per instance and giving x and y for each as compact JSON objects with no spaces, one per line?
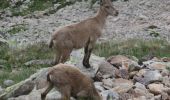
{"x":109,"y":95}
{"x":149,"y":77}
{"x":106,"y":68}
{"x":108,"y":83}
{"x":122,"y":85}
{"x":55,"y":95}
{"x":8,"y":83}
{"x":140,"y":86}
{"x":165,"y":59}
{"x":156,"y":88}
{"x":123,"y":73}
{"x":1,"y":90}
{"x":157,"y":66}
{"x":98,"y":86}
{"x":117,"y":60}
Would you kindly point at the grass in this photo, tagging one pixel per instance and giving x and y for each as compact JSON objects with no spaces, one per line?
{"x":17,"y":29}
{"x":35,"y":5}
{"x":15,"y":58}
{"x":4,"y":4}
{"x":134,"y":47}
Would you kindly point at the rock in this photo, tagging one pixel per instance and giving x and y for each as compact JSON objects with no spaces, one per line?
{"x":55,"y":95}
{"x":143,"y":92}
{"x":122,"y":85}
{"x":165,"y":59}
{"x":149,"y":77}
{"x":117,"y":60}
{"x":166,"y":81}
{"x":109,"y":95}
{"x":157,"y":97}
{"x":107,"y":83}
{"x":106,"y":68}
{"x":24,"y":89}
{"x":38,"y":62}
{"x":156,"y":88}
{"x":165,"y":96}
{"x":134,"y":66}
{"x":145,"y":58}
{"x":3,"y":41}
{"x":142,"y":72}
{"x":8,"y":83}
{"x":1,"y":90}
{"x":35,"y":95}
{"x":126,"y":96}
{"x":165,"y":72}
{"x":157,"y":66}
{"x":124,"y":62}
{"x":26,"y":84}
{"x":139,"y":98}
{"x":123,"y":73}
{"x":140,"y":86}
{"x":132,"y":74}
{"x":98,"y":86}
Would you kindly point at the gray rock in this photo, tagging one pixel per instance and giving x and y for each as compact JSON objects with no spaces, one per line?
{"x":98,"y":86}
{"x":24,"y":89}
{"x":117,"y":60}
{"x":38,"y":62}
{"x":140,"y":86}
{"x":35,"y":95}
{"x":8,"y":83}
{"x":106,"y":68}
{"x":109,"y":95}
{"x":55,"y":95}
{"x":156,"y":88}
{"x":1,"y":90}
{"x":122,"y":85}
{"x":108,"y":83}
{"x":149,"y":77}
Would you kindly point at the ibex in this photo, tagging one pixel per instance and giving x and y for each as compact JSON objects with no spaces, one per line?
{"x":70,"y":82}
{"x":82,"y":34}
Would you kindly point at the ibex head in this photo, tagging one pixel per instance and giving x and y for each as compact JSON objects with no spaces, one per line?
{"x":108,"y":7}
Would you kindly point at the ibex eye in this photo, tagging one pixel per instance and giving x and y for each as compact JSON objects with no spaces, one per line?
{"x":107,"y":6}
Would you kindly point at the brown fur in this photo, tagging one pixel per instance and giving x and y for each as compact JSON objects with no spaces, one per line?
{"x":82,"y":34}
{"x":70,"y":82}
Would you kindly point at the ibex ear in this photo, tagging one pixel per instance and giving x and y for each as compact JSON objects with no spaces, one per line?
{"x":102,"y":2}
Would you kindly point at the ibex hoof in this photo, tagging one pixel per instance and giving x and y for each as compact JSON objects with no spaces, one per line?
{"x":87,"y":65}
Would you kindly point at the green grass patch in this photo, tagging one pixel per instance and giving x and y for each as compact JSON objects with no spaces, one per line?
{"x":4,"y":4}
{"x":17,"y":29}
{"x":14,"y":59}
{"x":134,"y":47}
{"x":16,"y":75}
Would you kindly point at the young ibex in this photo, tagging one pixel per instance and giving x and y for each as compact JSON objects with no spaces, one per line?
{"x":70,"y":82}
{"x":82,"y":34}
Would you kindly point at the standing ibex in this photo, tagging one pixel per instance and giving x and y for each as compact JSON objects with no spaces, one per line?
{"x":82,"y":34}
{"x":70,"y":82}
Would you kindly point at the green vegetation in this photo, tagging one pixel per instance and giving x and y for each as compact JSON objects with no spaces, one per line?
{"x":4,"y":4}
{"x":14,"y":59}
{"x":17,"y":29}
{"x":138,"y":48}
{"x":154,"y":33}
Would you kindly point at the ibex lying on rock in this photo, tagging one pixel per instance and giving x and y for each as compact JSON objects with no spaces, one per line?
{"x":82,"y":34}
{"x":70,"y":82}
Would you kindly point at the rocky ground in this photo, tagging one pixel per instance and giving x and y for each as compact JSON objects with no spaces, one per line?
{"x":137,"y":19}
{"x":120,"y":77}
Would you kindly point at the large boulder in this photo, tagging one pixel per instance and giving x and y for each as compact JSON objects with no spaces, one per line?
{"x":38,"y":81}
{"x":148,"y":77}
{"x":122,"y":85}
